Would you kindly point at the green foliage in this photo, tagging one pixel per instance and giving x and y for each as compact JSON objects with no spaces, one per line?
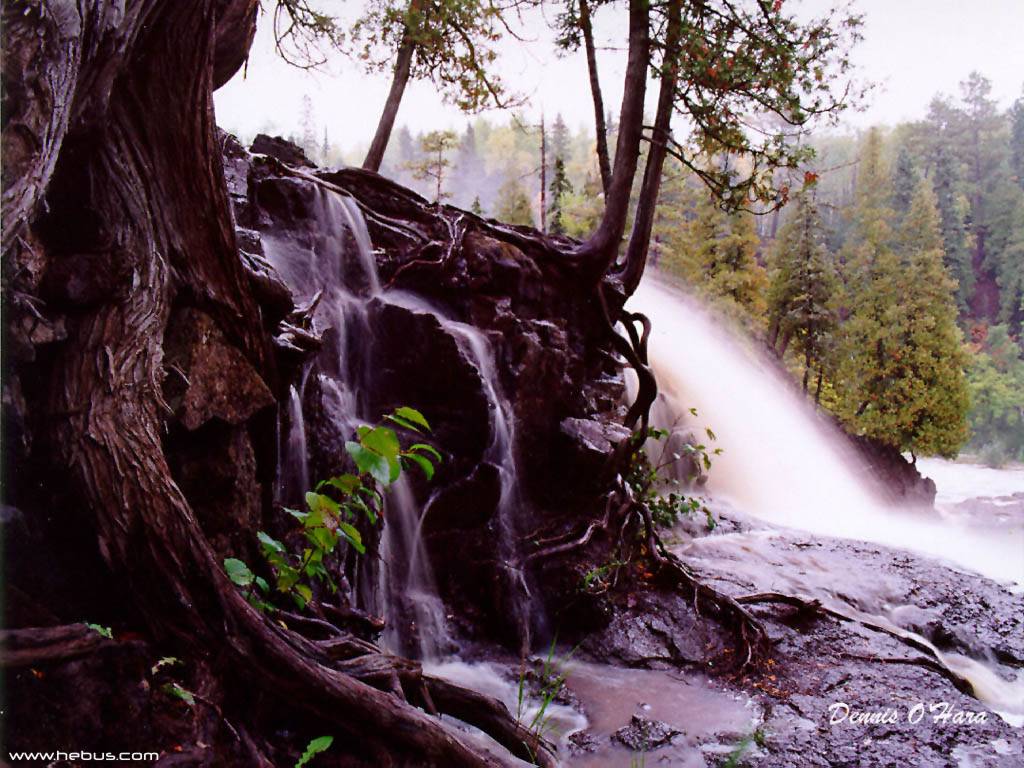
{"x":176,"y":691}
{"x":724,"y":261}
{"x":453,"y":43}
{"x":314,"y":748}
{"x":802,"y":290}
{"x":662,"y":491}
{"x":164,"y":662}
{"x":901,"y":369}
{"x":596,"y":579}
{"x":904,"y":181}
{"x":434,"y":161}
{"x":102,"y":631}
{"x":996,"y":384}
{"x":513,"y":205}
{"x":559,"y":188}
{"x":549,"y":683}
{"x":334,"y":510}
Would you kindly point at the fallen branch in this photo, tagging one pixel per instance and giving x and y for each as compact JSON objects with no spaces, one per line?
{"x":817,"y":607}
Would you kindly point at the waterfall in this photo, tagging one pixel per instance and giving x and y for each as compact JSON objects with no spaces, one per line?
{"x":785,"y":464}
{"x":781,"y":461}
{"x":337,"y":268}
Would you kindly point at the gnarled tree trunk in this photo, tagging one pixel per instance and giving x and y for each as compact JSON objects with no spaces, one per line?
{"x":109,"y":117}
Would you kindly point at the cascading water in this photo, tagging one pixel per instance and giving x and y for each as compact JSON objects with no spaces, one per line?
{"x":781,"y":461}
{"x":784,"y":464}
{"x":344,"y":284}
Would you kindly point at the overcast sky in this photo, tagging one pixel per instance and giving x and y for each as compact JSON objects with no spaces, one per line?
{"x":911,"y":48}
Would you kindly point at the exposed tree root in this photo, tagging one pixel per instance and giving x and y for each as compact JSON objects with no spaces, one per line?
{"x":38,"y":645}
{"x":932,"y":659}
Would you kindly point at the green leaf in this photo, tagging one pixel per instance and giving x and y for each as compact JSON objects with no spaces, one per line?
{"x":381,"y":440}
{"x":261,"y":584}
{"x":175,"y":690}
{"x":166,"y":661}
{"x":424,"y":448}
{"x":369,"y":462}
{"x":411,"y":414}
{"x":423,"y":463}
{"x":300,"y":516}
{"x":353,"y":536}
{"x":403,"y":423}
{"x":238,"y":572}
{"x":102,"y":631}
{"x":304,"y":591}
{"x":269,"y":542}
{"x":314,"y":748}
{"x":347,"y":483}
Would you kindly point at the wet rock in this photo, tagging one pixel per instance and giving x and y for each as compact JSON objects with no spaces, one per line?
{"x":654,"y":630}
{"x":208,"y":377}
{"x":643,"y":735}
{"x":467,"y":503}
{"x":270,"y":291}
{"x":282,"y":149}
{"x":898,"y":476}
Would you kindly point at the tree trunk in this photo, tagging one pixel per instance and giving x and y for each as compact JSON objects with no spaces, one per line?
{"x":647,"y":205}
{"x":110,"y":115}
{"x":600,"y":128}
{"x":403,"y":66}
{"x":602,"y":246}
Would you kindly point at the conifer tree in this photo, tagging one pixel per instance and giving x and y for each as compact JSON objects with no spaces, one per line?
{"x":560,"y":187}
{"x":513,"y":205}
{"x":904,"y":181}
{"x":725,"y":256}
{"x":952,"y":207}
{"x":434,"y":164}
{"x":902,"y":364}
{"x":476,"y":208}
{"x":801,"y":292}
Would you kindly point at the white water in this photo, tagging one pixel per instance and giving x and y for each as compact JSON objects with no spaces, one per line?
{"x":403,"y":589}
{"x":786,"y":465}
{"x":781,"y":461}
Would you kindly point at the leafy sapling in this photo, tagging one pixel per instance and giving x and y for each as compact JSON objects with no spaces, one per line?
{"x":333,"y":511}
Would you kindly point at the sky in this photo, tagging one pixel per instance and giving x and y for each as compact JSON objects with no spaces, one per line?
{"x":912,"y":49}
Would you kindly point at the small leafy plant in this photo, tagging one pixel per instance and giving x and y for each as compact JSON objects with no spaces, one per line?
{"x":314,"y":748}
{"x":551,"y":680}
{"x":663,"y":494}
{"x":333,"y":510}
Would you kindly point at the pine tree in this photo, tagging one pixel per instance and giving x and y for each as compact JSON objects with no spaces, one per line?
{"x":1008,"y":247}
{"x":726,"y":251}
{"x":435,"y":147}
{"x":801,"y":292}
{"x":902,"y":363}
{"x":513,"y":205}
{"x":559,"y":137}
{"x":560,"y":187}
{"x":952,"y":207}
{"x":904,"y":181}
{"x":476,"y":208}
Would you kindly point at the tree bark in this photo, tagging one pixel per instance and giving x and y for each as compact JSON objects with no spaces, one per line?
{"x":110,"y":116}
{"x":643,"y":222}
{"x":403,"y":67}
{"x":601,"y":247}
{"x":600,"y":128}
